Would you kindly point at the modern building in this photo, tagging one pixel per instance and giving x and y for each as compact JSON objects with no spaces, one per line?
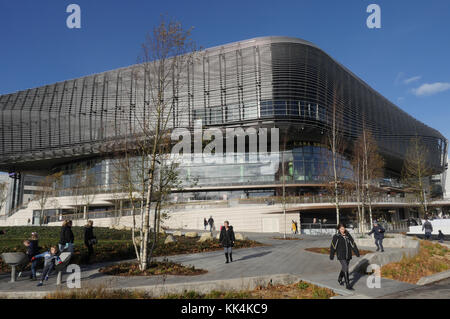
{"x":266,"y":82}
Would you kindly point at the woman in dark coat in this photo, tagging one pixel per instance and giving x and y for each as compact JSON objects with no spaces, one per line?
{"x":343,"y":245}
{"x":89,"y":239}
{"x":66,"y":237}
{"x":227,"y":240}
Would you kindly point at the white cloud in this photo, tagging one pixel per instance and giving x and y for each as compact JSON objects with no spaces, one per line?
{"x":431,"y":88}
{"x":412,"y":79}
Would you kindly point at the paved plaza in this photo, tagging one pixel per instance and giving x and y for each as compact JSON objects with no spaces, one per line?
{"x":277,"y":257}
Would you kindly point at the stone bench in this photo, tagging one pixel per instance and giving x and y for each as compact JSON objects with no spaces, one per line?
{"x":13,"y":260}
{"x":65,"y":259}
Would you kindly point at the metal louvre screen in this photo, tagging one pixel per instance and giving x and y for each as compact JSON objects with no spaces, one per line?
{"x":260,"y":79}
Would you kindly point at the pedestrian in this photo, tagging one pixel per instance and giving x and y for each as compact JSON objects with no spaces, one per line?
{"x":32,"y":250}
{"x":428,"y":228}
{"x":441,"y":236}
{"x":50,"y":260}
{"x":89,"y":239}
{"x":205,"y":222}
{"x":211,"y":223}
{"x":343,"y":245}
{"x":227,"y":240}
{"x":294,"y":227}
{"x":378,"y":233}
{"x":66,"y":237}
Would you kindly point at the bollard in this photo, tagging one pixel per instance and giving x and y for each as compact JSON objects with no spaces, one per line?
{"x":13,"y":273}
{"x":59,"y":278}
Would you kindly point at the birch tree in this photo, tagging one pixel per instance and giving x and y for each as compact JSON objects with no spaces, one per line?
{"x":167,"y":54}
{"x":46,"y":192}
{"x":416,"y":170}
{"x":3,"y":194}
{"x":334,"y":139}
{"x":368,"y":167}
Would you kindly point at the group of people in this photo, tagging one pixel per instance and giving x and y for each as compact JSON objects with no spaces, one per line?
{"x":51,"y":257}
{"x":209,"y":222}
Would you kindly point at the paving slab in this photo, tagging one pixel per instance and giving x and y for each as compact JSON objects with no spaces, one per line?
{"x":278,"y":257}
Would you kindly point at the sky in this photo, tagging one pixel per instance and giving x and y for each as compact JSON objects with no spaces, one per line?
{"x":407,"y":60}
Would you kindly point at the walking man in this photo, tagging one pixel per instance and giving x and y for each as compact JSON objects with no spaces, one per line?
{"x":343,"y":245}
{"x":227,"y":240}
{"x":378,"y":234}
{"x":211,"y":223}
{"x":428,"y":228}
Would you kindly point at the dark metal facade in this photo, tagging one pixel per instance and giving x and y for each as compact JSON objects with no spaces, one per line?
{"x":270,"y":79}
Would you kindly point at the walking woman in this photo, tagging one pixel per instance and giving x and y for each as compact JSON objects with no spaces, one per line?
{"x":227,"y":240}
{"x":89,"y":239}
{"x":343,"y":244}
{"x":66,"y":237}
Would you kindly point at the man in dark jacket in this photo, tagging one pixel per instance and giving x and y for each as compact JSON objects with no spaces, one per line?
{"x":428,"y":228}
{"x":211,"y":223}
{"x":342,"y":245}
{"x":66,"y":237}
{"x":378,"y":234}
{"x":227,"y":240}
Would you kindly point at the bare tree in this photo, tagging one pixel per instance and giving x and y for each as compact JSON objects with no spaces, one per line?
{"x":88,"y":191}
{"x":3,"y":194}
{"x":368,"y":168}
{"x":335,"y":141}
{"x":148,"y":171}
{"x":47,"y":188}
{"x":416,"y":170}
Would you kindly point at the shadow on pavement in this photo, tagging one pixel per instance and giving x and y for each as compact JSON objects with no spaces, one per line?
{"x":255,"y":255}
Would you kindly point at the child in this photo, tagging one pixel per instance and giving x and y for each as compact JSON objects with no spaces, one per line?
{"x":50,"y":259}
{"x":32,"y":250}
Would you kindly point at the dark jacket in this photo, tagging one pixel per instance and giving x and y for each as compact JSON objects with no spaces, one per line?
{"x":33,"y":249}
{"x":66,"y":235}
{"x":211,"y":221}
{"x":88,"y":234}
{"x":441,"y":236}
{"x":226,"y":238}
{"x":427,"y":226}
{"x":343,"y":247}
{"x":378,"y":232}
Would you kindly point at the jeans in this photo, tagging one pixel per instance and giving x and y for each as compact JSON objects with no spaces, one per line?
{"x":227,"y":250}
{"x":379,"y":243}
{"x":47,"y":270}
{"x":427,"y":235}
{"x":33,"y":268}
{"x":344,"y":264}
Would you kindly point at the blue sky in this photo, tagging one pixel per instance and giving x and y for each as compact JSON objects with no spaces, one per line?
{"x":407,"y":60}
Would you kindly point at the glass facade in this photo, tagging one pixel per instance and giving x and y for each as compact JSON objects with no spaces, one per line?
{"x":306,"y":163}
